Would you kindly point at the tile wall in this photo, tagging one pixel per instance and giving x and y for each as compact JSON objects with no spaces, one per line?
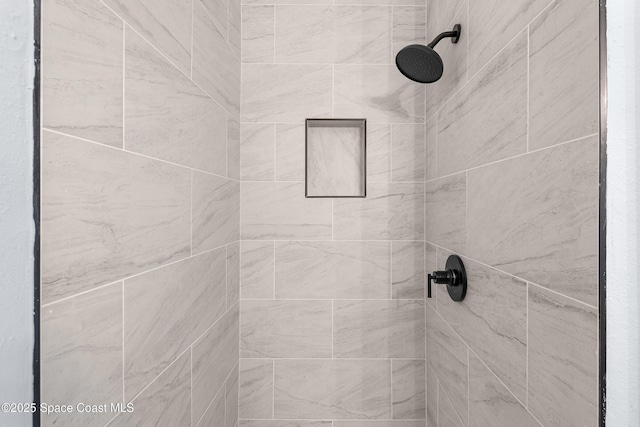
{"x":140,"y":210}
{"x":512,"y":187}
{"x":332,"y":310}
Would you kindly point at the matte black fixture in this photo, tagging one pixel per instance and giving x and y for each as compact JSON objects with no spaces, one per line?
{"x":455,"y":277}
{"x":421,"y":63}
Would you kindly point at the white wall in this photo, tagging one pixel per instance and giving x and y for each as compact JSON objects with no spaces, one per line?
{"x":623,"y":210}
{"x":16,"y":214}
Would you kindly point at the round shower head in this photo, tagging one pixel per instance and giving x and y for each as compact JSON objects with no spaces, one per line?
{"x":420,"y":63}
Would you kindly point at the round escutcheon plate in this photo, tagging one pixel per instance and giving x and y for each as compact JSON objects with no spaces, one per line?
{"x":457,"y":292}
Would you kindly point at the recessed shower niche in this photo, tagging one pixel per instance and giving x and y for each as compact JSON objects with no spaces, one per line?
{"x":335,"y":158}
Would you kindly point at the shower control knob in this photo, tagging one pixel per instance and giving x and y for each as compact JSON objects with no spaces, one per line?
{"x":454,"y":276}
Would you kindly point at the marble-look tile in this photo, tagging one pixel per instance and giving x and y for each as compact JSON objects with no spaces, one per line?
{"x":215,"y":211}
{"x":447,"y":416}
{"x":231,"y":398}
{"x":290,"y":140}
{"x":563,"y":359}
{"x":430,"y":265}
{"x":408,"y":152}
{"x":378,"y":153}
{"x":218,"y":12}
{"x":215,"y":67}
{"x":258,"y":43}
{"x":257,"y":151}
{"x":379,"y":93}
{"x":447,"y":11}
{"x":234,"y":27}
{"x":166,"y":25}
{"x":548,"y":199}
{"x":446,"y":212}
{"x":431,"y":148}
{"x":564,"y":73}
{"x":371,"y":423}
{"x":390,"y":212}
{"x":286,"y":92}
{"x":167,"y":401}
{"x":382,"y":2}
{"x":168,"y":117}
{"x":432,"y":397}
{"x":279,"y":211}
{"x":492,"y":23}
{"x":256,"y":388}
{"x":81,"y":352}
{"x":257,"y":271}
{"x":233,"y":273}
{"x":490,"y":402}
{"x":492,"y":320}
{"x":332,"y":270}
{"x":166,"y":310}
{"x":329,"y":388}
{"x":291,"y":329}
{"x":214,"y":356}
{"x":408,"y":382}
{"x":487,"y":120}
{"x":214,"y":416}
{"x":82,"y":79}
{"x":335,"y":161}
{"x":378,"y":329}
{"x":407,"y":276}
{"x":409,"y":27}
{"x":284,"y":423}
{"x":448,"y":357}
{"x":333,"y":34}
{"x":106,"y":215}
{"x":233,"y":148}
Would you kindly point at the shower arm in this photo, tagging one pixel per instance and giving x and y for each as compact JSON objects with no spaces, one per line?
{"x":454,"y":35}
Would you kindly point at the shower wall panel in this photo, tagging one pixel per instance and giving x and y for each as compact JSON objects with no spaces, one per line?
{"x":140,"y":210}
{"x":332,"y":310}
{"x":512,"y":187}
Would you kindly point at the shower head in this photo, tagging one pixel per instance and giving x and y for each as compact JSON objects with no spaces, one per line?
{"x":421,"y":63}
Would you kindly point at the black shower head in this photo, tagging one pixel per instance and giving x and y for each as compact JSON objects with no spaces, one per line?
{"x":421,"y":63}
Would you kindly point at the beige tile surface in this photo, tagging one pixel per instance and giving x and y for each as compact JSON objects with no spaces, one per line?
{"x":257,"y":271}
{"x":431,"y":148}
{"x":446,"y":212}
{"x":82,"y":79}
{"x":408,"y":274}
{"x":233,"y":148}
{"x":370,"y":423}
{"x":284,"y":423}
{"x":231,"y":398}
{"x":257,"y":151}
{"x":378,"y":153}
{"x":218,"y":12}
{"x":258,"y":43}
{"x":256,"y":388}
{"x":408,"y":153}
{"x":106,"y":215}
{"x":447,"y":416}
{"x":233,"y":273}
{"x":408,"y":383}
{"x":432,"y":397}
{"x":215,"y":412}
{"x":409,"y":27}
{"x":234,"y":27}
{"x":290,"y":142}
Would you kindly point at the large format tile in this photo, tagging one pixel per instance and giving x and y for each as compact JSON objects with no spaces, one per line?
{"x":257,"y":151}
{"x":378,"y":153}
{"x":564,"y":77}
{"x":431,"y":148}
{"x":215,"y":211}
{"x":82,"y":78}
{"x":106,"y":215}
{"x":329,"y":388}
{"x":409,"y":27}
{"x":279,"y":211}
{"x":231,"y":398}
{"x":81,"y":352}
{"x":492,"y":23}
{"x":218,"y":11}
{"x":563,"y":359}
{"x":167,"y":116}
{"x":333,"y":34}
{"x":234,"y":27}
{"x":214,"y":356}
{"x":332,"y":270}
{"x":447,"y":416}
{"x":407,"y":270}
{"x":379,"y":329}
{"x":215,"y":412}
{"x":379,"y":93}
{"x":492,"y":320}
{"x":167,"y":401}
{"x":290,"y":146}
{"x":448,"y":356}
{"x":291,"y":329}
{"x":165,"y":310}
{"x":490,"y":403}
{"x":408,"y":382}
{"x":286,"y":92}
{"x":233,"y":273}
{"x":446,"y":212}
{"x":256,"y":388}
{"x":487,"y":120}
{"x":431,"y":390}
{"x":215,"y":67}
{"x":407,"y":153}
{"x":166,"y":25}
{"x":257,"y":271}
{"x":390,"y":212}
{"x":536,"y":217}
{"x":233,"y":148}
{"x":258,"y":33}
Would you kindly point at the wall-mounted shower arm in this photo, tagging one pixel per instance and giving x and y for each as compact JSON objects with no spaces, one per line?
{"x":454,"y":35}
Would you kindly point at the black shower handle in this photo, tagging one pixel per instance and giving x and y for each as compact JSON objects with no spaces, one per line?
{"x":444,"y":277}
{"x":455,"y":277}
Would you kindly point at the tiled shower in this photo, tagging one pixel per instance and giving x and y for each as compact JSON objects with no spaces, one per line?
{"x":184,"y":270}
